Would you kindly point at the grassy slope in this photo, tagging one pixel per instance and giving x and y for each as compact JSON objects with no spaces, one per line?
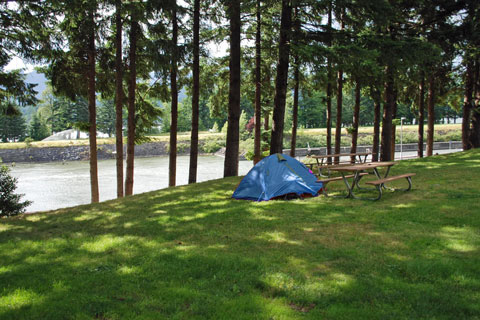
{"x":192,"y":252}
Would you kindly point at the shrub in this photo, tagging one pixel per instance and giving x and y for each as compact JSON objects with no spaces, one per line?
{"x":211,"y":146}
{"x":183,"y":147}
{"x":215,"y":128}
{"x":28,"y":142}
{"x":453,"y":136}
{"x":10,"y":204}
{"x":225,"y":128}
{"x":246,"y":145}
{"x":249,"y":154}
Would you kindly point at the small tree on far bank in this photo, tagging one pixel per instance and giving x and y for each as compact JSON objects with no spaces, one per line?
{"x":38,"y":129}
{"x":10,"y":204}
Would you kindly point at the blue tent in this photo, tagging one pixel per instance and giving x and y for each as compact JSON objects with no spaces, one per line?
{"x":277,"y":175}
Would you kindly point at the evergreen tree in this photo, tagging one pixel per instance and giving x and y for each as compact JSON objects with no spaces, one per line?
{"x":19,"y":35}
{"x":72,"y":68}
{"x":172,"y":167}
{"x":232,"y":144}
{"x":106,"y":117}
{"x":296,"y":85}
{"x":276,"y":145}
{"x":132,"y":83}
{"x":338,"y":122}
{"x":12,"y":128}
{"x":119,"y":97}
{"x":10,"y":202}
{"x":38,"y":129}
{"x":192,"y":173}
{"x":258,"y":84}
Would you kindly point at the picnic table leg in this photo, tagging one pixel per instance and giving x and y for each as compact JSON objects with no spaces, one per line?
{"x":375,"y":170}
{"x":357,"y":183}
{"x":379,"y":189}
{"x":349,"y":189}
{"x":384,"y":176}
{"x":319,"y":166}
{"x":356,"y":180}
{"x":409,"y":180}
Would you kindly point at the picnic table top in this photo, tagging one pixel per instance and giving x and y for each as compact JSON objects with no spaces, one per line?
{"x":364,"y":166}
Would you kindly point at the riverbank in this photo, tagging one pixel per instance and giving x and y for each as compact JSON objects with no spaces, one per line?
{"x":155,"y":149}
{"x":54,"y":185}
{"x":77,"y":153}
{"x":209,"y":143}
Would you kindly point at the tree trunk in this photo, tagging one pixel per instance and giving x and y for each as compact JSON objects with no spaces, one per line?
{"x":421,"y":116}
{"x":467,"y":107}
{"x":118,"y":98}
{"x":295,"y":108}
{"x":266,"y":125}
{"x":475,"y":131}
{"x":232,"y":147}
{"x":172,"y":166}
{"x":376,"y":124}
{"x":132,"y":85}
{"x":296,"y":76}
{"x":192,"y":174}
{"x":276,"y":144}
{"x":387,"y":116}
{"x":258,"y":88}
{"x":329,"y":88}
{"x":338,"y":124}
{"x":431,"y":114}
{"x":92,"y":114}
{"x":356,"y":119}
{"x":394,"y":126}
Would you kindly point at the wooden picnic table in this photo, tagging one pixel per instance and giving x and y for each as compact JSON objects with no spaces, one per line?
{"x":359,"y":170}
{"x":323,"y":164}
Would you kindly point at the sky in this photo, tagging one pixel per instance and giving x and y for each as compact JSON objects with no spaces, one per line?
{"x":219,"y":50}
{"x":17,"y":63}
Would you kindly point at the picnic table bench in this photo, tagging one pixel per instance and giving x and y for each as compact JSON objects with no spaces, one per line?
{"x":360,"y":170}
{"x":380,"y":183}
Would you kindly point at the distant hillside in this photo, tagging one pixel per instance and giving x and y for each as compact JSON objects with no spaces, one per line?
{"x":28,"y":112}
{"x":41,"y":82}
{"x":38,"y":79}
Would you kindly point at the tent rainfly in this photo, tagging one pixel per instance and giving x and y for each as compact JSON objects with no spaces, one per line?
{"x":275,"y":176}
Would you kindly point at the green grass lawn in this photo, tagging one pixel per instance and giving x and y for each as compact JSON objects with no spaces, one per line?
{"x":192,"y":252}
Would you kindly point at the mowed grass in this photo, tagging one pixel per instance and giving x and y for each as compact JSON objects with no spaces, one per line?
{"x":192,"y":252}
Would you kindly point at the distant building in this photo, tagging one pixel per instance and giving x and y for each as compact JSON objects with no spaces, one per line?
{"x":72,"y":134}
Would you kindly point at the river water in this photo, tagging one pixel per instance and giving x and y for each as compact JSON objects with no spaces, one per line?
{"x":56,"y":185}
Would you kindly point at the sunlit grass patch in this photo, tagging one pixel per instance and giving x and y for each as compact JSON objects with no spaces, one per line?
{"x":18,"y":299}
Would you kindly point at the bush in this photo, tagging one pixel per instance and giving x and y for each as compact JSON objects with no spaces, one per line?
{"x":10,"y":204}
{"x":183,"y":147}
{"x":212,"y":146}
{"x":215,"y":128}
{"x":225,"y":128}
{"x":28,"y":142}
